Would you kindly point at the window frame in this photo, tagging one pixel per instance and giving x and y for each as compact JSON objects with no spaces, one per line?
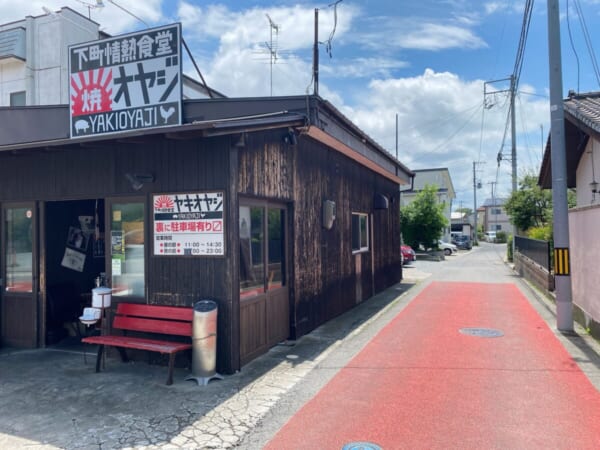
{"x":363,"y":247}
{"x":20,"y":95}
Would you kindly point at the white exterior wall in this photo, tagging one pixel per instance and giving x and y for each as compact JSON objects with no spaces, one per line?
{"x":585,"y":248}
{"x":44,"y":74}
{"x":586,"y":173}
{"x":12,"y":79}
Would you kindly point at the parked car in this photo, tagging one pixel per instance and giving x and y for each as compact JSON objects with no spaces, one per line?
{"x":408,"y":254}
{"x":447,"y":247}
{"x":462,"y":241}
{"x":490,"y":236}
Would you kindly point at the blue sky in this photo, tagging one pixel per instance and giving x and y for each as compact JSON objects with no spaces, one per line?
{"x":424,"y":60}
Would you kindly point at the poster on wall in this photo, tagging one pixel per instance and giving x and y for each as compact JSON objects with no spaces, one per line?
{"x":127,"y":82}
{"x":73,"y":260}
{"x":188,"y":224}
{"x":77,"y":239}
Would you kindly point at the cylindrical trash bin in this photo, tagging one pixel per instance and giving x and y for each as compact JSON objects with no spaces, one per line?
{"x":204,"y":342}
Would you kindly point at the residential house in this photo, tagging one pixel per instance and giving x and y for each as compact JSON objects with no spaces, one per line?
{"x":462,"y":223}
{"x":582,"y":143}
{"x":445,"y":191}
{"x":494,"y":216}
{"x":34,"y":59}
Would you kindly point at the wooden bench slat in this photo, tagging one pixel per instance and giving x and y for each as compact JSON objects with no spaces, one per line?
{"x":156,"y":311}
{"x":138,"y":343}
{"x":153,"y":326}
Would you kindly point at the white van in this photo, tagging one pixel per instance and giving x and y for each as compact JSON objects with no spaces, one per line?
{"x":490,"y":236}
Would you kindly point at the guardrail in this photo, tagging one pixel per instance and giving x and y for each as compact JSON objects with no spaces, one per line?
{"x":536,"y":250}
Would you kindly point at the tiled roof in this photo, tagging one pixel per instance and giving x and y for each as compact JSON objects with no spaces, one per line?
{"x":585,"y":108}
{"x":494,"y":201}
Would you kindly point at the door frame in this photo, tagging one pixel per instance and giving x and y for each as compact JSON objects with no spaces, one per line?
{"x":257,"y":331}
{"x":108,"y":203}
{"x":10,"y":302}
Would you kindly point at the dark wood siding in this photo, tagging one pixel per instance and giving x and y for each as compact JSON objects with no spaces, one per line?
{"x":265,"y":173}
{"x":324,"y":281}
{"x":98,"y":171}
{"x":327,"y":282}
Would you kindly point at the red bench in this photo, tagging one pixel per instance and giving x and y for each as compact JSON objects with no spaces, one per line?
{"x":162,"y":320}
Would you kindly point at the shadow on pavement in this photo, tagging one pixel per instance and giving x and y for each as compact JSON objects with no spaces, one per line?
{"x":53,"y":396}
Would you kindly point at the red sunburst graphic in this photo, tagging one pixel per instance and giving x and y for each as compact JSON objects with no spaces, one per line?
{"x":91,"y":91}
{"x":164,"y":202}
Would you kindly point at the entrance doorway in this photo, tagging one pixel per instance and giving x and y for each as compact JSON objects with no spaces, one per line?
{"x":264,"y":293}
{"x":73,"y":258}
{"x":51,"y":256}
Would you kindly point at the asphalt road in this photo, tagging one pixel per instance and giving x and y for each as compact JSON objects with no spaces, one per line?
{"x":409,"y":379}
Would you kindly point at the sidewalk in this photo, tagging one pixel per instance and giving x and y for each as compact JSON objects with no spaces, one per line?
{"x":51,"y":398}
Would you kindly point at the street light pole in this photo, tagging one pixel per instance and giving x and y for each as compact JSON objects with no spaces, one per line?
{"x":562,"y":273}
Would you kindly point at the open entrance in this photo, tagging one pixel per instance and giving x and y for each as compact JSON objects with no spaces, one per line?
{"x":73,"y":263}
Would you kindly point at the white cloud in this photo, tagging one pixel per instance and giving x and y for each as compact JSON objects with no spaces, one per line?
{"x":441,"y":123}
{"x":432,"y":36}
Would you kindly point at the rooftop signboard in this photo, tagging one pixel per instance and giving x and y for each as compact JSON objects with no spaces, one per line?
{"x":127,"y":82}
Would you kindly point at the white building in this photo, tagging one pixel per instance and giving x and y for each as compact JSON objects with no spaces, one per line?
{"x":34,"y":59}
{"x":445,"y":194}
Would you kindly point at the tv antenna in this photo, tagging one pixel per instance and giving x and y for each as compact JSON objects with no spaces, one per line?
{"x":272,"y":47}
{"x":91,"y":6}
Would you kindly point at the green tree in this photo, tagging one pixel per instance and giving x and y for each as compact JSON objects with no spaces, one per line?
{"x":423,"y":219}
{"x":530,"y":207}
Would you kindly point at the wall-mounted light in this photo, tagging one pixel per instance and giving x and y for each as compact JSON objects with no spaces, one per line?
{"x":137,"y":180}
{"x":380,"y":201}
{"x":241,"y":141}
{"x":290,"y":138}
{"x":328,"y":214}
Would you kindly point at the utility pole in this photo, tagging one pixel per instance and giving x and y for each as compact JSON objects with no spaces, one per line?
{"x":396,"y":135}
{"x":513,"y":153}
{"x":476,"y":185}
{"x":316,"y":55}
{"x":513,"y":134}
{"x":562,"y":272}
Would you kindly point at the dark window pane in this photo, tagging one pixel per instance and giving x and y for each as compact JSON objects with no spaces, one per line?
{"x":251,"y":251}
{"x":276,"y":248}
{"x":19,"y":249}
{"x":127,"y":249}
{"x":355,"y":232}
{"x":17,"y":98}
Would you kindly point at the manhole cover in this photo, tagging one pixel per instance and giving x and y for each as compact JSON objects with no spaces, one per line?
{"x":361,"y":446}
{"x":482,"y":332}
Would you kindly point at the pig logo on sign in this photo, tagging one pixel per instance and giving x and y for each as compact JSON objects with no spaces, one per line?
{"x":81,"y":125}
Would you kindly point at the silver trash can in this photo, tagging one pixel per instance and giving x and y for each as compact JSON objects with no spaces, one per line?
{"x":204,"y":342}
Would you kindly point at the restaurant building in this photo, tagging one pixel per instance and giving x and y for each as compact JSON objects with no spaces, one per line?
{"x":280,"y":209}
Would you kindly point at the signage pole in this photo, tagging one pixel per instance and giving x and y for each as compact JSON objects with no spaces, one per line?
{"x":562,"y":277}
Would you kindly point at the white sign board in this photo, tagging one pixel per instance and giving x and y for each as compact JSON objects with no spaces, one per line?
{"x":189,"y":224}
{"x":127,"y":82}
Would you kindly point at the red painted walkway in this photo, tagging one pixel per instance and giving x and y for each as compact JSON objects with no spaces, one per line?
{"x":422,"y":384}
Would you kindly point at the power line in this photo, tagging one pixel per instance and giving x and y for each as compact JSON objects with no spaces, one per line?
{"x":588,"y":40}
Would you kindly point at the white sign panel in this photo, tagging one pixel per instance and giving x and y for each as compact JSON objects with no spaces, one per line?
{"x":124,"y":83}
{"x":189,"y":224}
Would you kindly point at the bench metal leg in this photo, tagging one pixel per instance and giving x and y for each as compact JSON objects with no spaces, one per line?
{"x":171,"y":365}
{"x":99,"y":357}
{"x":123,"y":354}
